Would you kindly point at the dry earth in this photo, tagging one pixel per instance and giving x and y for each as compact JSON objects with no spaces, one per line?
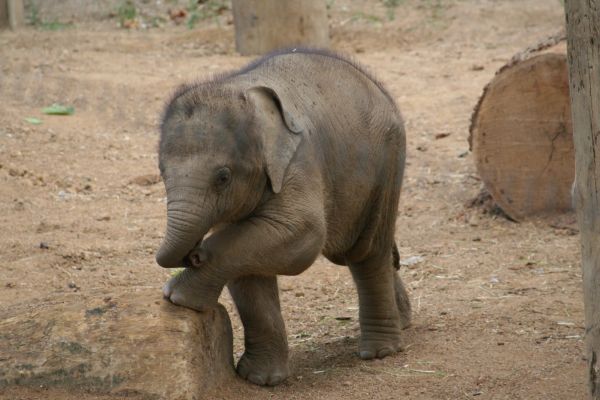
{"x":497,"y":305}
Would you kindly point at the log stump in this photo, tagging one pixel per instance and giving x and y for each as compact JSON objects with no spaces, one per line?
{"x":262,"y":26}
{"x":132,"y":343}
{"x":521,"y":133}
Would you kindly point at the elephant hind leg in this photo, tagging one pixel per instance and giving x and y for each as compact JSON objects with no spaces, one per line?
{"x":265,"y":359}
{"x":402,"y":300}
{"x":380,"y":321}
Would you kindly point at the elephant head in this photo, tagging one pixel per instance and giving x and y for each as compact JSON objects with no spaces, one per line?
{"x":219,"y":150}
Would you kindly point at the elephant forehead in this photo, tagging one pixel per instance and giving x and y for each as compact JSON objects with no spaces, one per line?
{"x":218,"y":135}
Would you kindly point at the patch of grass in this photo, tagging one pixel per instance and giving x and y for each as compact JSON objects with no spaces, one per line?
{"x":390,"y":6}
{"x":436,"y":7}
{"x":35,"y":20}
{"x":157,"y":22}
{"x":366,"y":17}
{"x":34,"y":15}
{"x":126,"y":12}
{"x":207,"y":10}
{"x":56,"y":26}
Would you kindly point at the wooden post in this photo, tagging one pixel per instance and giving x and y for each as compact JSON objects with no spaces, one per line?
{"x":265,"y":25}
{"x":583,"y":50}
{"x":12,"y":13}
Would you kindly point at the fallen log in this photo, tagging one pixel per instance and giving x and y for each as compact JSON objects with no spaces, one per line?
{"x":132,"y":343}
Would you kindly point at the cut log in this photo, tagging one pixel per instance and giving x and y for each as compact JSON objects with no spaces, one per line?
{"x":125,"y":344}
{"x":265,"y":25}
{"x":521,"y":133}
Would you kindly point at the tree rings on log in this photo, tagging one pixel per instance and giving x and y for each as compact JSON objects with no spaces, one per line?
{"x":521,"y":133}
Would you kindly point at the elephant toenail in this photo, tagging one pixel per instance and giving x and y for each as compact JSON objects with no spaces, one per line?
{"x":257,"y":379}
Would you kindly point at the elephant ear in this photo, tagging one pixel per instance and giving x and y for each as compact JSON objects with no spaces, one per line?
{"x":280,"y":129}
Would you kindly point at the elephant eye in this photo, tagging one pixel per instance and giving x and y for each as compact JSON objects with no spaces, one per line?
{"x":223,"y":177}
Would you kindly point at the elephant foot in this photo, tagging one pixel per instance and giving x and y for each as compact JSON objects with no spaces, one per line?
{"x":380,"y":340}
{"x":189,"y":289}
{"x":263,"y":369}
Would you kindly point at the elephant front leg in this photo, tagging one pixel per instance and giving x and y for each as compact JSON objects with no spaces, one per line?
{"x":380,"y":321}
{"x":257,"y":246}
{"x":265,"y":360}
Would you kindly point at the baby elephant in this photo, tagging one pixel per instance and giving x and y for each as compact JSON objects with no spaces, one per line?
{"x":298,"y":154}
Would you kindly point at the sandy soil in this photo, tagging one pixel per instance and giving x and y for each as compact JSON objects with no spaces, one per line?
{"x":497,"y":305}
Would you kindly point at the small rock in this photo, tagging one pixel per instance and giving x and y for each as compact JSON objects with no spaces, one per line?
{"x":62,"y":195}
{"x":474,"y":220}
{"x":44,"y":246}
{"x":477,"y":67}
{"x":10,"y":285}
{"x":19,"y":205}
{"x":412,"y":260}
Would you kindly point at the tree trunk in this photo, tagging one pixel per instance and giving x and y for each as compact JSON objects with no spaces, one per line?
{"x":127,"y":343}
{"x":583,"y":33}
{"x":12,"y":13}
{"x":521,"y":134}
{"x":265,"y":25}
{"x":3,"y":14}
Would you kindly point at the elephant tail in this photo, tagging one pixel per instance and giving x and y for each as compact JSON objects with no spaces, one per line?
{"x":396,"y":257}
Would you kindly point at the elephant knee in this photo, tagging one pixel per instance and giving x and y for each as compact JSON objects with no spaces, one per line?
{"x":305,"y":250}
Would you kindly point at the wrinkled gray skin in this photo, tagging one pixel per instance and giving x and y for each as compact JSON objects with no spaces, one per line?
{"x":298,"y":154}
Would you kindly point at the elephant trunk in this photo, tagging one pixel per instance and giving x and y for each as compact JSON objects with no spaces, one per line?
{"x":184,"y":231}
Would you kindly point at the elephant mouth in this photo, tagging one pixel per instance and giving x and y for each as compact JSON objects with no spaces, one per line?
{"x":177,"y":254}
{"x":187,"y":262}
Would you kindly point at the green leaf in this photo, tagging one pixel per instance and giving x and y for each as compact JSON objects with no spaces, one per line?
{"x":58,"y":109}
{"x":33,"y":120}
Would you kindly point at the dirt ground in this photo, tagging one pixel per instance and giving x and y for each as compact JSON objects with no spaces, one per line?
{"x":497,"y":305}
